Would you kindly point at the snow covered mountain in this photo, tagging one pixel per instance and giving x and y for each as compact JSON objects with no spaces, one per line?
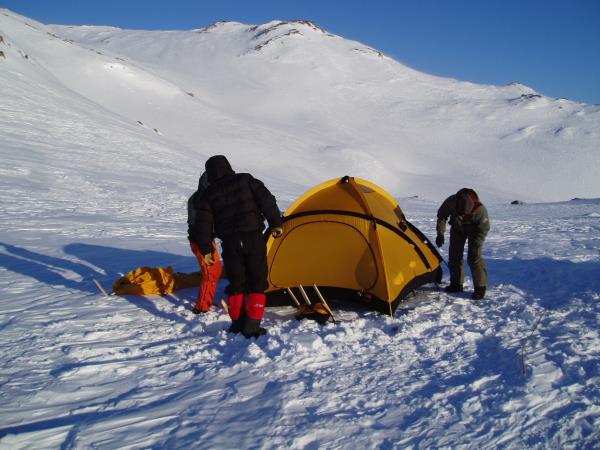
{"x":265,"y":95}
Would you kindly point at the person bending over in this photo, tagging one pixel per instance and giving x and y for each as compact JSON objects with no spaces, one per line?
{"x":469,"y":221}
{"x":235,"y":206}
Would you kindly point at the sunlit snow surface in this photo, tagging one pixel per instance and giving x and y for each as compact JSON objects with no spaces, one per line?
{"x":83,"y":370}
{"x":88,"y":192}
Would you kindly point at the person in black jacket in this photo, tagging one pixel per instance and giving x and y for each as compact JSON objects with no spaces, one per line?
{"x":234,"y":206}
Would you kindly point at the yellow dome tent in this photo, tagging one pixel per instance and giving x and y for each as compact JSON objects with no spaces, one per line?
{"x":350,"y":238}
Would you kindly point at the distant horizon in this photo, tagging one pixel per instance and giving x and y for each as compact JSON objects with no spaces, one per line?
{"x":497,"y":44}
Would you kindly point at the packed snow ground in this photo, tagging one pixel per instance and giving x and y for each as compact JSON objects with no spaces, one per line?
{"x":88,"y":192}
{"x":518,"y":370}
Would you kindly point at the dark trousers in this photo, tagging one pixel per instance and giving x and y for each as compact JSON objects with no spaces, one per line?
{"x":474,"y":259}
{"x":245,"y":258}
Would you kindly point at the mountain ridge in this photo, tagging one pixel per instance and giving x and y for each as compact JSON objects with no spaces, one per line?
{"x":284,"y":90}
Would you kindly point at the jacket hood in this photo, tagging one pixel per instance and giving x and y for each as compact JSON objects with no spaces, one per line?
{"x":217,"y":167}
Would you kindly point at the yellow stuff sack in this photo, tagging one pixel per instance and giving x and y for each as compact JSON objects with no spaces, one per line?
{"x":315,"y":312}
{"x":146,"y":281}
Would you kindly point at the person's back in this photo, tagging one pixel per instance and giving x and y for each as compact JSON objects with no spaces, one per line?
{"x":236,"y":205}
{"x":233,"y":203}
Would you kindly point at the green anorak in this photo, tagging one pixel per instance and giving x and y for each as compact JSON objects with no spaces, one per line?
{"x":473,"y":228}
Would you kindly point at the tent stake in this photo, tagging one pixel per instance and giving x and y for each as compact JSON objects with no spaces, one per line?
{"x":101,"y":288}
{"x":391,"y":314}
{"x":289,"y":291}
{"x":324,"y":302}
{"x":303,"y":292}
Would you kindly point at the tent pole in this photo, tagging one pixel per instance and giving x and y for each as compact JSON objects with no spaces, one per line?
{"x":303,"y":292}
{"x":289,"y":291}
{"x":324,"y":302}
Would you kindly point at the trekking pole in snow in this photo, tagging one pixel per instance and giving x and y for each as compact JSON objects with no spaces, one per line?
{"x":537,"y":322}
{"x":291,"y":293}
{"x":324,"y":302}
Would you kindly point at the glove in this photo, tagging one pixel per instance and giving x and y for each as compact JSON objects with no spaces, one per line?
{"x":209,"y":259}
{"x":439,"y":240}
{"x":276,"y":232}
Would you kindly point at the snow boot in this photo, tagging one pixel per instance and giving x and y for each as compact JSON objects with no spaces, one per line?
{"x":479,"y":293}
{"x":261,"y":331}
{"x":254,"y":311}
{"x":454,"y":288}
{"x":235,"y":303}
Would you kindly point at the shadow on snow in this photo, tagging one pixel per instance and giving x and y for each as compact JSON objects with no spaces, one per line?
{"x":553,"y":282}
{"x":106,"y":264}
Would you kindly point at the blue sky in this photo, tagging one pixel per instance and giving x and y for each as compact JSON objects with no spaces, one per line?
{"x":552,"y":46}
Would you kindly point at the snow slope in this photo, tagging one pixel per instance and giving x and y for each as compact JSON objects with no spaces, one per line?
{"x":89,"y":192}
{"x":350,"y":103}
{"x":281,"y":91}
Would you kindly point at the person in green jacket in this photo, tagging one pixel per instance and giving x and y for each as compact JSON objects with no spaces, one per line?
{"x":469,"y":221}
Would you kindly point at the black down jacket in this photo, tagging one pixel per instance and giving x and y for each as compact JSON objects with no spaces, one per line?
{"x":233,"y":203}
{"x":191,"y":206}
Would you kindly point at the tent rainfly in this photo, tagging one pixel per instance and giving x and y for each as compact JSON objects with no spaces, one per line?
{"x":350,"y":238}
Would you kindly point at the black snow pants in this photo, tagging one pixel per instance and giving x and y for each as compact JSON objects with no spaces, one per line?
{"x":245,"y":259}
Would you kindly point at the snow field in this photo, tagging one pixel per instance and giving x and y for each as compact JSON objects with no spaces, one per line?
{"x":133,"y":370}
